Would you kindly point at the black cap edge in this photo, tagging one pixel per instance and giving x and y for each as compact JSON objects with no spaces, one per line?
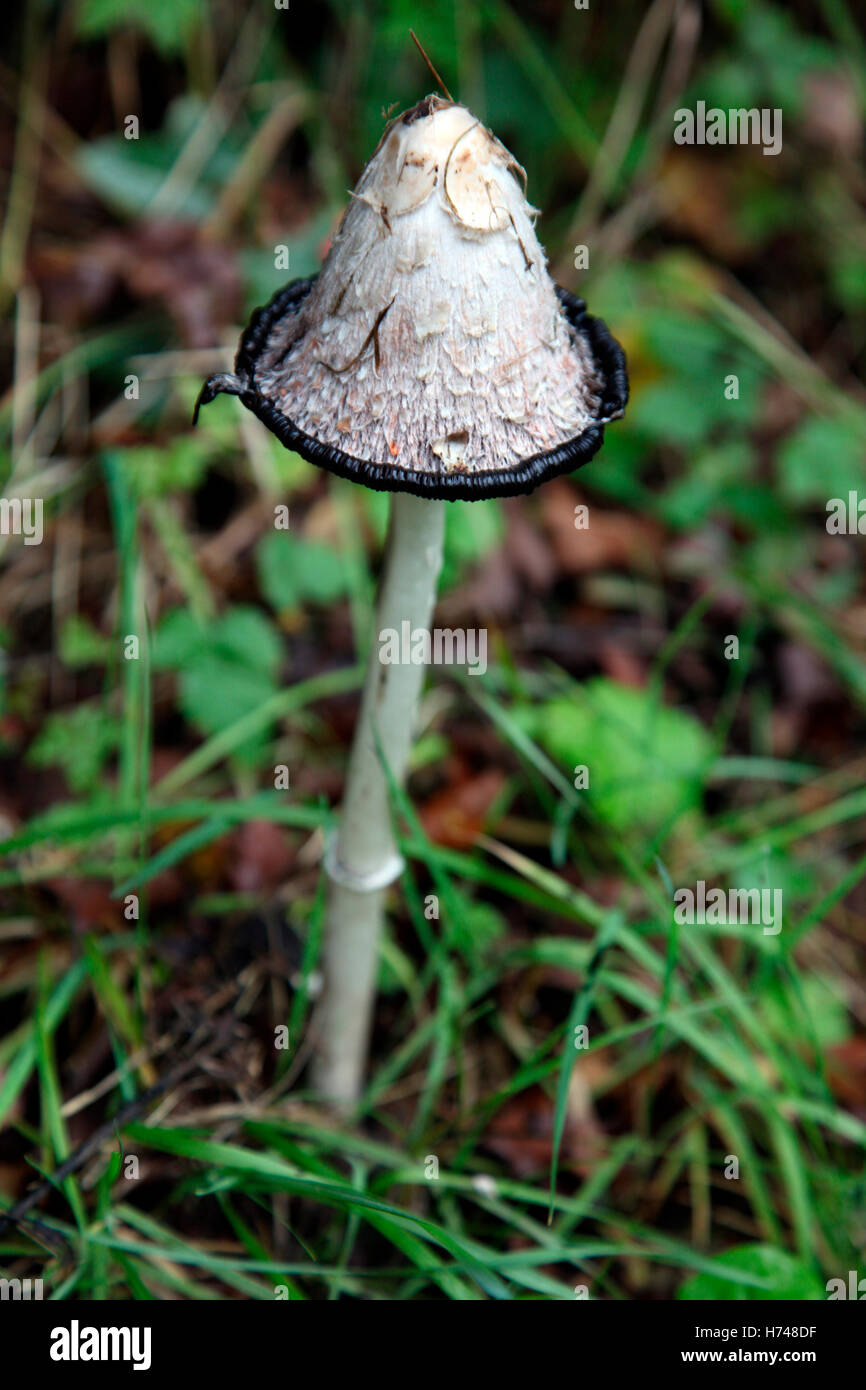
{"x":505,"y":482}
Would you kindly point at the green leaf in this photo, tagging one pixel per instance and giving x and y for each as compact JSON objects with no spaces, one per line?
{"x":711,"y":482}
{"x":215,"y":691}
{"x":474,"y":929}
{"x":683,"y":342}
{"x":782,"y":1275}
{"x":227,"y":668}
{"x":293,"y":571}
{"x":471,"y":532}
{"x":78,"y":740}
{"x":245,"y":635}
{"x":242,"y":635}
{"x":167,"y":23}
{"x":82,"y":645}
{"x":674,"y":413}
{"x":822,"y":458}
{"x":625,"y":459}
{"x":782,"y":55}
{"x":180,"y":637}
{"x":645,"y":761}
{"x":154,"y":471}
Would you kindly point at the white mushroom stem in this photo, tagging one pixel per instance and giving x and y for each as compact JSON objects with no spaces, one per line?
{"x":363,"y":858}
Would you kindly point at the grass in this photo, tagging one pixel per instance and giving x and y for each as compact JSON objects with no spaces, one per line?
{"x":687,"y":1005}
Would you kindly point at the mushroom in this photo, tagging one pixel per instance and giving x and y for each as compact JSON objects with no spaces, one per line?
{"x":434,"y":358}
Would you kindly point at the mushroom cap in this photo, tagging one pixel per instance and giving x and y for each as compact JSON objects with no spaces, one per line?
{"x":433,"y":353}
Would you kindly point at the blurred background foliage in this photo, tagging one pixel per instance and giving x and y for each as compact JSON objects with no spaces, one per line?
{"x":166,"y":166}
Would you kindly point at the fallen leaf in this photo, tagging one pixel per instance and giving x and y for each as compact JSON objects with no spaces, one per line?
{"x":612,"y":538}
{"x":456,"y":815}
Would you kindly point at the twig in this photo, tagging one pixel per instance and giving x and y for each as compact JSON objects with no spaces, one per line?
{"x":437,"y":79}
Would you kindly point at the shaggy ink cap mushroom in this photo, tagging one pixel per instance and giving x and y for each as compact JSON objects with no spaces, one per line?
{"x":433,"y":354}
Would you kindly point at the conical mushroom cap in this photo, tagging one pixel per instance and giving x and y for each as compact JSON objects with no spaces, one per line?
{"x":433,"y":353}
